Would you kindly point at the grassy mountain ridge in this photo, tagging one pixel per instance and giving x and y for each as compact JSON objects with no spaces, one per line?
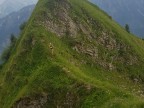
{"x":125,"y":12}
{"x":95,"y":63}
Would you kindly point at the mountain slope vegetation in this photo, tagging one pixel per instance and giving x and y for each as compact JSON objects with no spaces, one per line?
{"x":72,"y":55}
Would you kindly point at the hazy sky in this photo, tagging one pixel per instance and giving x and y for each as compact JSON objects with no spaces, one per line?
{"x":32,"y":1}
{"x":1,"y":1}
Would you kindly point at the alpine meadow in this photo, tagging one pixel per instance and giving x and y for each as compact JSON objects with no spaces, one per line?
{"x":71,"y":54}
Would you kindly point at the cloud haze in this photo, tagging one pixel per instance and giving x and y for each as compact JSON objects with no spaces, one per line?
{"x":1,"y":1}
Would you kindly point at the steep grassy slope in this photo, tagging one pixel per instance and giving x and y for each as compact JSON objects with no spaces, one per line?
{"x":95,"y":62}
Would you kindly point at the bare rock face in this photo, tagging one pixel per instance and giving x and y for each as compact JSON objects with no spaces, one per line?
{"x":107,"y":41}
{"x":59,"y":21}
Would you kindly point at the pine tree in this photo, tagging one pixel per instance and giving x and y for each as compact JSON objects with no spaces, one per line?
{"x":127,"y":28}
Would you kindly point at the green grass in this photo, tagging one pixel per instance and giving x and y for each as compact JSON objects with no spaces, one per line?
{"x":32,"y":70}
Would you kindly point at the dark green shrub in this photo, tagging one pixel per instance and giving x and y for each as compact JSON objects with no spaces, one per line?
{"x":7,"y":52}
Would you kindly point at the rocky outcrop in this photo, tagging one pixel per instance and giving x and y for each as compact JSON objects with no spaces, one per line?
{"x":101,"y":45}
{"x":31,"y":102}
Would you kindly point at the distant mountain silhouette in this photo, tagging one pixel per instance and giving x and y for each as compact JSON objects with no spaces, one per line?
{"x":10,"y":24}
{"x":9,"y":6}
